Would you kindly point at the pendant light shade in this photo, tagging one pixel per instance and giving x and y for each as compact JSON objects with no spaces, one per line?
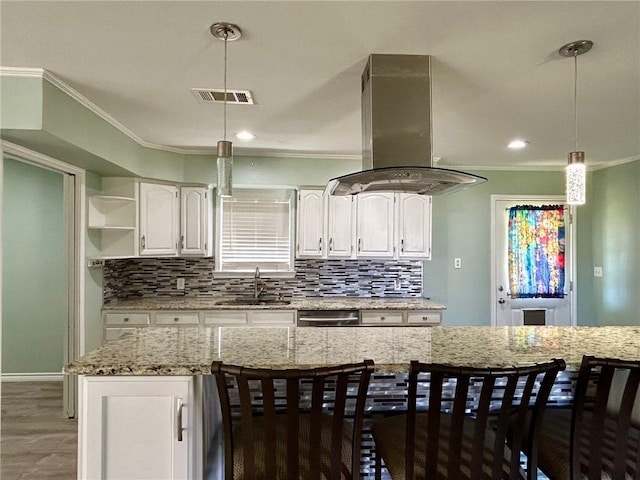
{"x":576,"y":179}
{"x":224,"y":164}
{"x":576,"y":175}
{"x":225,"y":168}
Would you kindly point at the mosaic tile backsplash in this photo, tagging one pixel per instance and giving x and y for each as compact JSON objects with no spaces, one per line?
{"x":156,"y":277}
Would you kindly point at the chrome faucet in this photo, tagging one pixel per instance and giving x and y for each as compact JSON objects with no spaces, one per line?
{"x":258,"y":286}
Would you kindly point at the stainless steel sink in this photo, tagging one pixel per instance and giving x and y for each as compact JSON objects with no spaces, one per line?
{"x":254,"y":301}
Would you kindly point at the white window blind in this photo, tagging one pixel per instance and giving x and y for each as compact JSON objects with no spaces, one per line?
{"x":255,"y":231}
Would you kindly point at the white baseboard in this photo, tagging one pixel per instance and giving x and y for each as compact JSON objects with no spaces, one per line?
{"x":31,"y":377}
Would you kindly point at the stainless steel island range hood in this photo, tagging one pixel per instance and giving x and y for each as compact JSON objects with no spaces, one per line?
{"x":396,"y":133}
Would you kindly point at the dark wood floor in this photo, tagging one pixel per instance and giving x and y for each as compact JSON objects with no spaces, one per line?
{"x":37,"y":441}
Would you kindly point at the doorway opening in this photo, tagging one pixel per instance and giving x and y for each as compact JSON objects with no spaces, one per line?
{"x":532,"y":267}
{"x":43,"y":247}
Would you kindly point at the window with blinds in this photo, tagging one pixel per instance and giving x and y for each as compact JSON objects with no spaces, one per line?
{"x":255,"y":230}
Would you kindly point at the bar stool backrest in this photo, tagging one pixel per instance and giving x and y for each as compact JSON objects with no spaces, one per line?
{"x":491,"y":396}
{"x":605,"y":431}
{"x":292,"y":423}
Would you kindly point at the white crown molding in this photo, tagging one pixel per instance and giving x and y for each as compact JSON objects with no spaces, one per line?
{"x":21,"y":72}
{"x":88,"y":104}
{"x":614,"y":163}
{"x":249,"y":152}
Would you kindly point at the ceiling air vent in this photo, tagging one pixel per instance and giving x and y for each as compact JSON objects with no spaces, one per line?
{"x":214,"y":95}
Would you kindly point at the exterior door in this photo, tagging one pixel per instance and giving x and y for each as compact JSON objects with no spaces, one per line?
{"x":508,"y":310}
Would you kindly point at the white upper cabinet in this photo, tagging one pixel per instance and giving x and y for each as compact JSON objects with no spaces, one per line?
{"x":383,"y":225}
{"x":310,"y":234}
{"x":194,"y":220}
{"x":414,"y":226}
{"x":375,"y":225}
{"x":134,"y":217}
{"x":112,"y":219}
{"x":340,"y":213}
{"x":158,"y":219}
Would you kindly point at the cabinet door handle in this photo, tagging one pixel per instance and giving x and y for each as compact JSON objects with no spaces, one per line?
{"x":331,"y":244}
{"x":402,"y":245}
{"x":320,"y":244}
{"x":143,"y":241}
{"x":359,"y":244}
{"x":182,"y":242}
{"x":179,"y":406}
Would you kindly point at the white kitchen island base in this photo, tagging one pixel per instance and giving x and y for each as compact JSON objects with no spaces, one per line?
{"x":140,"y":427}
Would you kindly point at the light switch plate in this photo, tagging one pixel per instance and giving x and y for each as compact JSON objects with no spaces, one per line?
{"x":180,"y":283}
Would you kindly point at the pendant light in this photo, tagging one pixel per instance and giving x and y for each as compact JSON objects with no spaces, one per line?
{"x":227,"y":32}
{"x":576,"y":168}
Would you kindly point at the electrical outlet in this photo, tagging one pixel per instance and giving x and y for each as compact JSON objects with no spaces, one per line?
{"x":457,"y":262}
{"x":597,"y":271}
{"x":95,"y":263}
{"x":180,"y":283}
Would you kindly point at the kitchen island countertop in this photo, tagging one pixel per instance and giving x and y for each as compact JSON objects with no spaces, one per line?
{"x":190,"y":351}
{"x":297,"y":303}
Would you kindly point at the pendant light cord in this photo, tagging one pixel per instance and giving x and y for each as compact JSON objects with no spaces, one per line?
{"x":575,"y":93}
{"x":224,"y":132}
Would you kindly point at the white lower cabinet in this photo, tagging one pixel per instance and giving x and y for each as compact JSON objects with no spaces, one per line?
{"x":265,"y":318}
{"x":177,"y":318}
{"x":380,"y":317}
{"x":400,"y":317}
{"x":137,"y":428}
{"x":427,"y":317}
{"x":272,"y":317}
{"x":117,"y":324}
{"x":223,"y":318}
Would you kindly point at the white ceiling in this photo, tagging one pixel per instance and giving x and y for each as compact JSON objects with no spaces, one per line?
{"x":496,"y":71}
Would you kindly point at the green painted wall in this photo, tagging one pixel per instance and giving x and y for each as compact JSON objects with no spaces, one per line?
{"x":21,"y":103}
{"x":462,"y":228}
{"x":615,"y":233}
{"x":34,"y":303}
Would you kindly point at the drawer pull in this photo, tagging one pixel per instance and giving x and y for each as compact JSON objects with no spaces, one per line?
{"x":425,"y":318}
{"x":382,"y":318}
{"x":175,"y":319}
{"x":126,"y":319}
{"x":179,"y":418}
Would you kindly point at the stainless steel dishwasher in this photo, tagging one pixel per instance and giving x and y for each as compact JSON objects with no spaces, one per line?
{"x":328,"y":318}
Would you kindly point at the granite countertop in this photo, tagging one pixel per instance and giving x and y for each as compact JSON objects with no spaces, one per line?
{"x":297,"y":303}
{"x":190,"y":351}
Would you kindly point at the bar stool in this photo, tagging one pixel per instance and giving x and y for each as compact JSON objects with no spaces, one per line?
{"x":453,"y":439}
{"x":292,"y":423}
{"x":599,"y":437}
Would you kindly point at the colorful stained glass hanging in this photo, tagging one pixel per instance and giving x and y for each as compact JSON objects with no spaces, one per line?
{"x":536,"y":251}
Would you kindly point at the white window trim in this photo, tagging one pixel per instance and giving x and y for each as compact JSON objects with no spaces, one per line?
{"x":266,"y":193}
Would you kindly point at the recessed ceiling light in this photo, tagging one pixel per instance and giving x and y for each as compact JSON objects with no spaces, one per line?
{"x":245,"y":135}
{"x":518,"y":144}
